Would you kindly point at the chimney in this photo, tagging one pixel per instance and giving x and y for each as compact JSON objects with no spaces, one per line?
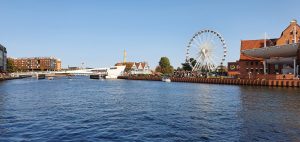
{"x":294,"y":21}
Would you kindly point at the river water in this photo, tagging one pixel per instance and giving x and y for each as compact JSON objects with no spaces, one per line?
{"x":81,"y":109}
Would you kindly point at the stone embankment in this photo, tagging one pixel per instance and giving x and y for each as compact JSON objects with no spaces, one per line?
{"x":8,"y":77}
{"x":149,"y":78}
{"x":248,"y":82}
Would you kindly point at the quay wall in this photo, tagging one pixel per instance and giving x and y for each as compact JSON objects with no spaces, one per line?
{"x":149,"y":78}
{"x":9,"y":78}
{"x":247,"y":82}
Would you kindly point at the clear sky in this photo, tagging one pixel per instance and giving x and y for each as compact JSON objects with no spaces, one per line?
{"x":97,"y":31}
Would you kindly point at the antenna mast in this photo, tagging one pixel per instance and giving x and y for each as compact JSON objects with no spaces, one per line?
{"x":124,"y":56}
{"x":265,"y":41}
{"x":295,"y":34}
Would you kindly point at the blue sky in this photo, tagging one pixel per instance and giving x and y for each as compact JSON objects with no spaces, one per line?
{"x":97,"y":31}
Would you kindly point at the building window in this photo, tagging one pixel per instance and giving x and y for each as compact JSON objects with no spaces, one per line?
{"x":276,"y":68}
{"x":251,"y":63}
{"x":286,"y":41}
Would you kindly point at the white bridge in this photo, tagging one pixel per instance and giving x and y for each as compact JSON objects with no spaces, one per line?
{"x":112,"y":72}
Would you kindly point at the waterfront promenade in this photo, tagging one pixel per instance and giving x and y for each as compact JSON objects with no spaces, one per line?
{"x":229,"y":81}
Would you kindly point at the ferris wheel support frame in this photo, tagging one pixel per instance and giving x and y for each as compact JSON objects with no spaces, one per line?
{"x":204,"y":56}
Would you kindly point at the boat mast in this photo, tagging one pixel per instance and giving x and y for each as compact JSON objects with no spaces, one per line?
{"x":265,"y":41}
{"x":124,"y":56}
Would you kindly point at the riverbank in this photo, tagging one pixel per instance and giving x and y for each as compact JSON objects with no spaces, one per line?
{"x":4,"y":77}
{"x":228,"y":81}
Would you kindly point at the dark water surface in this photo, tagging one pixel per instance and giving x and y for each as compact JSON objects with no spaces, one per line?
{"x":120,"y":110}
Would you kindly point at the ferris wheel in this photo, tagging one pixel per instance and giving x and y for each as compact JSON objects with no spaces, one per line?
{"x":206,"y":51}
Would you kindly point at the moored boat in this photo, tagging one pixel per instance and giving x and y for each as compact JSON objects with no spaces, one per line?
{"x":107,"y":73}
{"x":50,"y":78}
{"x":41,"y":76}
{"x":166,"y":79}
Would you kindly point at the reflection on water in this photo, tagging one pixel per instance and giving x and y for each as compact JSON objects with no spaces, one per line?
{"x":270,"y":114}
{"x":121,"y":110}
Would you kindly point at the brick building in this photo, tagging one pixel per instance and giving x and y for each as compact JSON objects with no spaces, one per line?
{"x":233,"y":69}
{"x":277,"y":58}
{"x":3,"y":58}
{"x":37,"y":64}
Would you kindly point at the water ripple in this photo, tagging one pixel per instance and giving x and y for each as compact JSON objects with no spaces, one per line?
{"x":120,"y":110}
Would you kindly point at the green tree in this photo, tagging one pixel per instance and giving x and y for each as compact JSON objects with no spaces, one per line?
{"x":10,"y":66}
{"x":158,"y":69}
{"x":164,"y":66}
{"x":178,"y":69}
{"x":187,"y":67}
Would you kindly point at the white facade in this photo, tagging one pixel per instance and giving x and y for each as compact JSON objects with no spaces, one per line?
{"x":138,"y":68}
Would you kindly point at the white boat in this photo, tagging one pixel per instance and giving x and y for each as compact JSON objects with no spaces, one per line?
{"x":50,"y":78}
{"x":108,"y":73}
{"x":114,"y":72}
{"x":166,"y":79}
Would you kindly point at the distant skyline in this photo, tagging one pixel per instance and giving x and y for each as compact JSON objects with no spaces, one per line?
{"x":97,"y":32}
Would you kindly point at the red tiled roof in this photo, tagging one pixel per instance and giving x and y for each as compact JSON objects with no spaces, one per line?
{"x":130,"y":64}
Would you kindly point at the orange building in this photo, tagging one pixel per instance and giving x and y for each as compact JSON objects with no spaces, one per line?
{"x":37,"y":64}
{"x":58,"y":65}
{"x":277,"y":58}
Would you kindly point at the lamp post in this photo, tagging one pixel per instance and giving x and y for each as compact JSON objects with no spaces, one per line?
{"x":265,"y":64}
{"x":249,"y":73}
{"x":295,"y":66}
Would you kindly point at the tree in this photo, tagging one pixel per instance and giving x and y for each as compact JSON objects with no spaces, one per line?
{"x":158,"y":69}
{"x":10,"y":65}
{"x":164,"y":66}
{"x":187,"y":67}
{"x":178,"y":69}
